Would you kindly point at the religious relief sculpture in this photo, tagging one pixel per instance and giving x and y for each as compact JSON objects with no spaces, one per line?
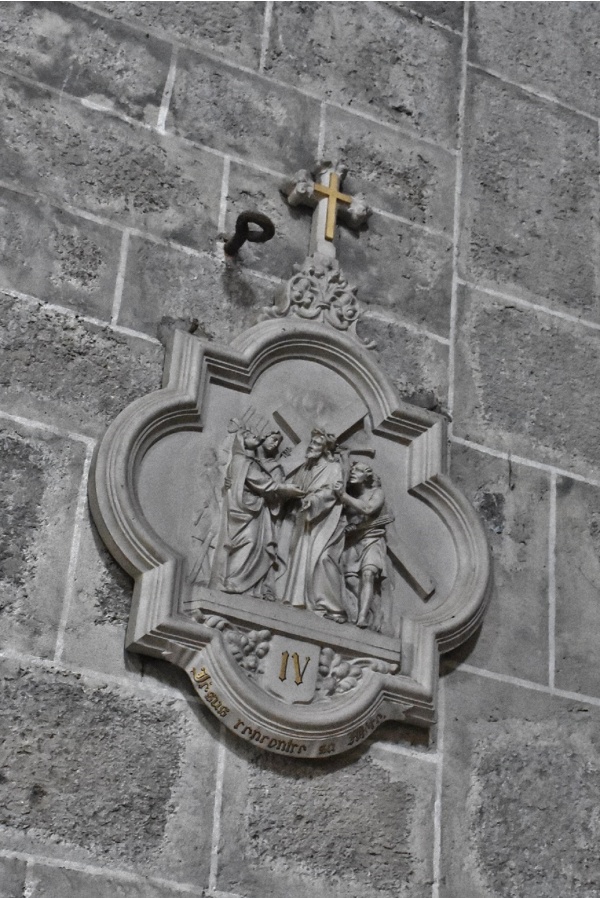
{"x":296,"y":544}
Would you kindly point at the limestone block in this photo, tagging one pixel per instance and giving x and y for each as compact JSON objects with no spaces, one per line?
{"x":357,"y":827}
{"x":12,"y":877}
{"x":577,"y":586}
{"x":380,"y":59}
{"x":533,"y":396}
{"x":416,"y":364}
{"x":61,"y":370}
{"x":85,"y":55}
{"x":513,"y":501}
{"x":232,"y":29}
{"x":95,"y":630}
{"x":393,"y":171}
{"x":521,"y":792}
{"x":106,"y":166}
{"x":551,"y":47}
{"x":58,"y":257}
{"x":97,"y":776}
{"x":164,"y":287}
{"x":448,"y":14}
{"x":53,"y":882}
{"x":531,"y":197}
{"x":230,"y":110}
{"x":39,"y":486}
{"x":402,"y":269}
{"x":259,"y":192}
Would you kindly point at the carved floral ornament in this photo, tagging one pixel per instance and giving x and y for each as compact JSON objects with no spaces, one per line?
{"x":296,"y":544}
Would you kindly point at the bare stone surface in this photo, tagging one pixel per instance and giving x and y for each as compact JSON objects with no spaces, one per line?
{"x":39,"y":487}
{"x":233,"y":29}
{"x":164,"y":287}
{"x":358,"y":827}
{"x":523,"y":767}
{"x":88,"y":772}
{"x":249,"y":116}
{"x":402,"y":269}
{"x":550,"y":47}
{"x":56,"y":368}
{"x":258,"y":192}
{"x":577,"y":585}
{"x":51,"y":882}
{"x":58,"y":257}
{"x":513,"y":501}
{"x":532,"y":396}
{"x":86,"y":55}
{"x":412,"y":66}
{"x":12,"y":877}
{"x":531,"y":197}
{"x":394,"y":172}
{"x":106,"y":166}
{"x":448,"y":14}
{"x":416,"y":364}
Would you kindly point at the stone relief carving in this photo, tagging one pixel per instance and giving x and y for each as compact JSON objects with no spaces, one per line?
{"x":296,"y":544}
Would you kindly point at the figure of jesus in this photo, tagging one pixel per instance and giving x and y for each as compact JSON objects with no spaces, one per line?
{"x":314,"y":578}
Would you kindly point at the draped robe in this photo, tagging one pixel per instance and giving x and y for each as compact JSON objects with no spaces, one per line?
{"x":314,"y":577}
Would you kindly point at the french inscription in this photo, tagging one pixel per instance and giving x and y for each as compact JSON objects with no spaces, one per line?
{"x":203,"y":682}
{"x":254,"y":734}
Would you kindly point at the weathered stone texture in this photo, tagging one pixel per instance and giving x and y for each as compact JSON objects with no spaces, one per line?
{"x":249,"y":116}
{"x":91,"y":773}
{"x":258,"y":192}
{"x":448,"y":14}
{"x":39,"y":483}
{"x":56,"y":368}
{"x":525,"y":383}
{"x":106,"y":166}
{"x":402,"y":269}
{"x":513,"y":502}
{"x":95,"y":629}
{"x":522,"y":788}
{"x":577,"y":586}
{"x":354,"y":827}
{"x":550,"y":47}
{"x":86,"y":55}
{"x":164,"y":287}
{"x":416,"y":365}
{"x":58,"y":257}
{"x":233,"y":29}
{"x":12,"y":878}
{"x":86,"y":767}
{"x":377,"y":58}
{"x":394,"y":172}
{"x":531,"y":196}
{"x":51,"y":882}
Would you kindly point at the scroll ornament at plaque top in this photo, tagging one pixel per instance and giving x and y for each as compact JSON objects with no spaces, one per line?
{"x":296,"y":544}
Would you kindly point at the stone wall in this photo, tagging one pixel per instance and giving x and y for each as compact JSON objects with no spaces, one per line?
{"x":131,"y":136}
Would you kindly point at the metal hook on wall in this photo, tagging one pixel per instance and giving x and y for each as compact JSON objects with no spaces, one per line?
{"x":243,"y":231}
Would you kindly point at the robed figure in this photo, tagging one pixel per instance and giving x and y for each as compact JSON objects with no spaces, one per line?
{"x":314,"y":578}
{"x":246,"y":557}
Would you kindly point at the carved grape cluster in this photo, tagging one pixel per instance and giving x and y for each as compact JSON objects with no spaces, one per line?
{"x":336,"y":674}
{"x":248,"y":649}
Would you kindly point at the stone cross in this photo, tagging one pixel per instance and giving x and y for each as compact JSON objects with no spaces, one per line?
{"x":329,"y":203}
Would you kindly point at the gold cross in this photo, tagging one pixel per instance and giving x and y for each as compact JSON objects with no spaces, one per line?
{"x":334,"y":197}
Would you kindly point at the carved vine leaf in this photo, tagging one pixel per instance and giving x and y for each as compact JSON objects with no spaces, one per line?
{"x":318,"y":291}
{"x":337,"y":675}
{"x":247,"y":648}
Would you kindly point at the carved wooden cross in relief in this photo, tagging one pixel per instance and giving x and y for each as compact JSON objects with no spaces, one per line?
{"x":325,"y":197}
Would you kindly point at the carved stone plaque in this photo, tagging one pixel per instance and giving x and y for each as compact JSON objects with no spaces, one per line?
{"x":296,"y":544}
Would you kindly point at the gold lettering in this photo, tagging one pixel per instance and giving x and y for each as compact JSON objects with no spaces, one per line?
{"x":299,"y":672}
{"x":283,"y":670}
